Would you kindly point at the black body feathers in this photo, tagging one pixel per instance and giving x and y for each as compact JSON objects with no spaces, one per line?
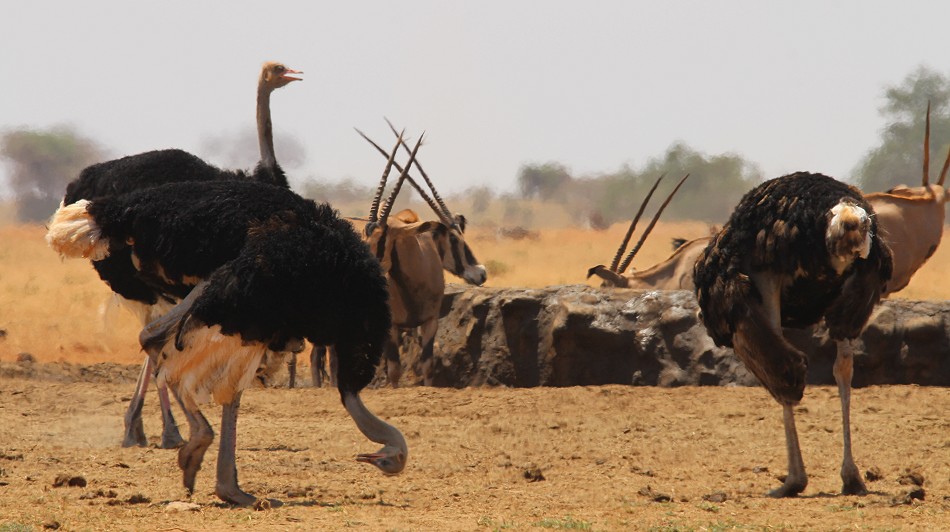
{"x":278,"y":267}
{"x":139,"y":172}
{"x":779,"y":227}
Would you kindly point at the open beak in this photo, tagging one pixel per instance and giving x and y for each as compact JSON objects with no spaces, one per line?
{"x":292,"y":71}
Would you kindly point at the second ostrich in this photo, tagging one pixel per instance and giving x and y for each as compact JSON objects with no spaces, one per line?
{"x":796,"y":249}
{"x":154,"y":168}
{"x":252,"y":259}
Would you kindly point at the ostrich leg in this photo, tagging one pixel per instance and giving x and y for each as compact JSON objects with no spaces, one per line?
{"x":226,"y":487}
{"x":171,"y":438}
{"x":193,"y":452}
{"x":134,"y":431}
{"x":796,"y":480}
{"x":843,"y":370}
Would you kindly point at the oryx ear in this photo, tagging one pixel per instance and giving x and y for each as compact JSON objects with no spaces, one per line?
{"x":460,"y":221}
{"x":369,"y":228}
{"x":610,"y":278}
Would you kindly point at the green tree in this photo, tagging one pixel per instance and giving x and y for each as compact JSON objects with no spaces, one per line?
{"x":42,"y":163}
{"x":715,"y":185}
{"x":545,"y":181}
{"x":899,"y":157}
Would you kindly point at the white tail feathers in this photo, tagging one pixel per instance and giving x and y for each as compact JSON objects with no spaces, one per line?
{"x":73,"y":233}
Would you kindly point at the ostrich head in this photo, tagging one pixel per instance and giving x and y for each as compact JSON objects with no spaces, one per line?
{"x":849,"y":234}
{"x":391,"y":459}
{"x":275,"y":75}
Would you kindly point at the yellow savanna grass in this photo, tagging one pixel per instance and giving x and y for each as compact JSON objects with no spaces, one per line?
{"x":53,"y":308}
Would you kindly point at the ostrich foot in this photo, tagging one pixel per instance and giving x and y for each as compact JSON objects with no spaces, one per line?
{"x":134,"y":433}
{"x":790,"y":488}
{"x":171,"y":438}
{"x":189,"y":460}
{"x":851,"y":483}
{"x":234,"y":495}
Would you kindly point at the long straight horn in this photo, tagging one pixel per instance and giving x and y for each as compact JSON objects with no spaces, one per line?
{"x":633,"y":226}
{"x":402,"y":177}
{"x":927,"y":148}
{"x":435,"y":193}
{"x":419,"y":189}
{"x":374,"y":208}
{"x":946,"y":165}
{"x":633,"y":252}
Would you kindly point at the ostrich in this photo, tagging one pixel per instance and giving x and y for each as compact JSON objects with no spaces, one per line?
{"x":248,"y":260}
{"x":796,"y":249}
{"x":154,"y":168}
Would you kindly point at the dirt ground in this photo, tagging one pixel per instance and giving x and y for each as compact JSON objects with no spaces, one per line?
{"x":587,"y":458}
{"x":611,"y":458}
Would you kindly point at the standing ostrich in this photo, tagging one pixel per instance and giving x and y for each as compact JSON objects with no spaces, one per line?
{"x":149,"y":169}
{"x":250,"y":260}
{"x":796,"y":249}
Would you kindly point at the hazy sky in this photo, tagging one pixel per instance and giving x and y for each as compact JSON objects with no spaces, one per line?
{"x":593,"y":85}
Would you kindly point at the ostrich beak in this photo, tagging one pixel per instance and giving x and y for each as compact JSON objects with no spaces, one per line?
{"x":388,"y":460}
{"x":292,"y":71}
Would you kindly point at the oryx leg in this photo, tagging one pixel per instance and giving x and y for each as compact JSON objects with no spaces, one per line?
{"x":391,"y":354}
{"x":428,"y":330}
{"x":318,"y":361}
{"x":843,"y":370}
{"x":292,"y":370}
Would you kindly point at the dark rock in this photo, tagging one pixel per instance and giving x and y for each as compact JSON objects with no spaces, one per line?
{"x":71,"y":481}
{"x":911,"y":477}
{"x":533,"y":474}
{"x":577,"y":335}
{"x":654,"y":495}
{"x":873,"y":474}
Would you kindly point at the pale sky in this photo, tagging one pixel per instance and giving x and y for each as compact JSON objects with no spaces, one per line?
{"x":496,"y":84}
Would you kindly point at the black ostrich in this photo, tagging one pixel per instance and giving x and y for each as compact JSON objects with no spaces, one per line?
{"x":796,"y":249}
{"x":249,"y":260}
{"x":155,"y":168}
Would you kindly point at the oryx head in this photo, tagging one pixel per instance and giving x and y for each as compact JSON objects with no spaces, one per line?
{"x":447,"y":233}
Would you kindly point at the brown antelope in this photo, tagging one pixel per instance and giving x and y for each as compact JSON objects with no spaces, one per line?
{"x":911,"y":219}
{"x":413,"y":254}
{"x":675,"y":273}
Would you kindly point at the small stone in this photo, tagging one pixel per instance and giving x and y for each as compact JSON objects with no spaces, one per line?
{"x":25,"y":358}
{"x":716,"y":497}
{"x":181,"y":506}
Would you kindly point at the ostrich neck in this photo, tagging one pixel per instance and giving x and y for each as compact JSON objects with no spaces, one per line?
{"x":265,"y":134}
{"x":371,"y":426}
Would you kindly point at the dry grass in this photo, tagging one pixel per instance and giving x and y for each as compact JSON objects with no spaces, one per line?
{"x":53,"y":308}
